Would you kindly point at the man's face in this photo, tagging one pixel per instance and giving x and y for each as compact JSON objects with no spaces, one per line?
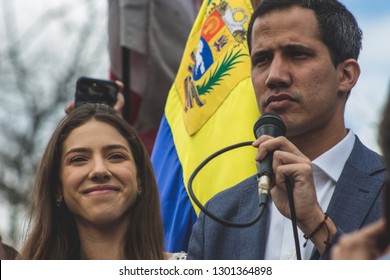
{"x":292,"y":71}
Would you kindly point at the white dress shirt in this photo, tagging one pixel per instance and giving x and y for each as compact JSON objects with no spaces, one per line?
{"x":326,"y":172}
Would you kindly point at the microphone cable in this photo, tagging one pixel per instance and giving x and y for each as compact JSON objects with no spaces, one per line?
{"x":263,"y":198}
{"x":268,"y":124}
{"x":289,"y":186}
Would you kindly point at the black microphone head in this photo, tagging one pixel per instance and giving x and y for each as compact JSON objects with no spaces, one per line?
{"x":269,"y":124}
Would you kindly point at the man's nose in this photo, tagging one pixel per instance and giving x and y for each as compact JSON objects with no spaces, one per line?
{"x":279,"y":74}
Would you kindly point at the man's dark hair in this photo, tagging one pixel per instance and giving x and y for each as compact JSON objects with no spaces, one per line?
{"x":338,"y":27}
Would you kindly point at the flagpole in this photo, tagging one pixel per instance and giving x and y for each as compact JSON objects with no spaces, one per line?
{"x":125,"y":53}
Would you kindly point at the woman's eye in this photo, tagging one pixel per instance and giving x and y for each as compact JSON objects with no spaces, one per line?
{"x":77,"y":159}
{"x":117,"y":156}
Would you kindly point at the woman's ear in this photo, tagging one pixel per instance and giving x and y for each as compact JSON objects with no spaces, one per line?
{"x":349,"y":72}
{"x":139,"y":191}
{"x":59,"y":200}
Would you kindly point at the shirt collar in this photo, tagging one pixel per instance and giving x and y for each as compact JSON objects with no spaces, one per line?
{"x":332,"y":161}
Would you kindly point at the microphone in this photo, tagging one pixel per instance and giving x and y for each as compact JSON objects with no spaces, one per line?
{"x":268,"y":124}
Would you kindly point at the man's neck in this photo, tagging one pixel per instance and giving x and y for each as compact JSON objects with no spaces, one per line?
{"x":314,"y":144}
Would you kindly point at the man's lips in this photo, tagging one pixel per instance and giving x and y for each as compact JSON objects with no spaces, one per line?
{"x":101,"y":189}
{"x":279,"y":98}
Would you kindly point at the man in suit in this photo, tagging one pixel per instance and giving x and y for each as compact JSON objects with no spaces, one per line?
{"x":304,"y":65}
{"x":372,"y":241}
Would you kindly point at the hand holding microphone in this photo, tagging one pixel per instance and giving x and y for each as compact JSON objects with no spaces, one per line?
{"x":291,"y":167}
{"x":272,"y":125}
{"x":269,"y":124}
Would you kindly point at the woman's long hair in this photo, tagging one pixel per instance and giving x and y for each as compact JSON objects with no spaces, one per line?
{"x":52,"y":229}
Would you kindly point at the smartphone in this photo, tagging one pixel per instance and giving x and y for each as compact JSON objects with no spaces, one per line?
{"x":90,"y":90}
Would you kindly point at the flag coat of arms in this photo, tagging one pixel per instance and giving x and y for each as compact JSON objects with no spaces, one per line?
{"x":210,"y":106}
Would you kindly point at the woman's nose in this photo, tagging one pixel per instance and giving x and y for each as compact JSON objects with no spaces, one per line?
{"x":99,"y":170}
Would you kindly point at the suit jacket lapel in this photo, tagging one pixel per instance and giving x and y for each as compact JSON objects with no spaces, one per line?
{"x":356,"y":188}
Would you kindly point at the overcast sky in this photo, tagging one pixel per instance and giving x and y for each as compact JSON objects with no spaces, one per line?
{"x":365,"y":106}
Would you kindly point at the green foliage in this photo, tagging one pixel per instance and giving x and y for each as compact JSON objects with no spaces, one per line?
{"x":220,"y":72}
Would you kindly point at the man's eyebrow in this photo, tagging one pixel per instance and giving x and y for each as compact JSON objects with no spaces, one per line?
{"x":297,"y":47}
{"x":260,"y":53}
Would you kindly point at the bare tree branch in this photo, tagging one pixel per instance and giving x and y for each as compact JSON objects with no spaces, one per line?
{"x":37,"y":79}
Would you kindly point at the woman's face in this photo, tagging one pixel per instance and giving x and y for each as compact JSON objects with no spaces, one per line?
{"x":98,"y":174}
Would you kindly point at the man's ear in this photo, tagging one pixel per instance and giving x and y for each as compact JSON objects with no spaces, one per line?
{"x":349,"y":72}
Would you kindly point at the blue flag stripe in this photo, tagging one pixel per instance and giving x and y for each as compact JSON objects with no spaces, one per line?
{"x":176,"y":207}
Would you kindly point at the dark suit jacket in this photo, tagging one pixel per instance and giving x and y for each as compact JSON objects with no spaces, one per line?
{"x":356,"y":202}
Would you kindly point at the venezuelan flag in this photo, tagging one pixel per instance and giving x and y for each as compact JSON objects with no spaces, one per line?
{"x":210,"y":106}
